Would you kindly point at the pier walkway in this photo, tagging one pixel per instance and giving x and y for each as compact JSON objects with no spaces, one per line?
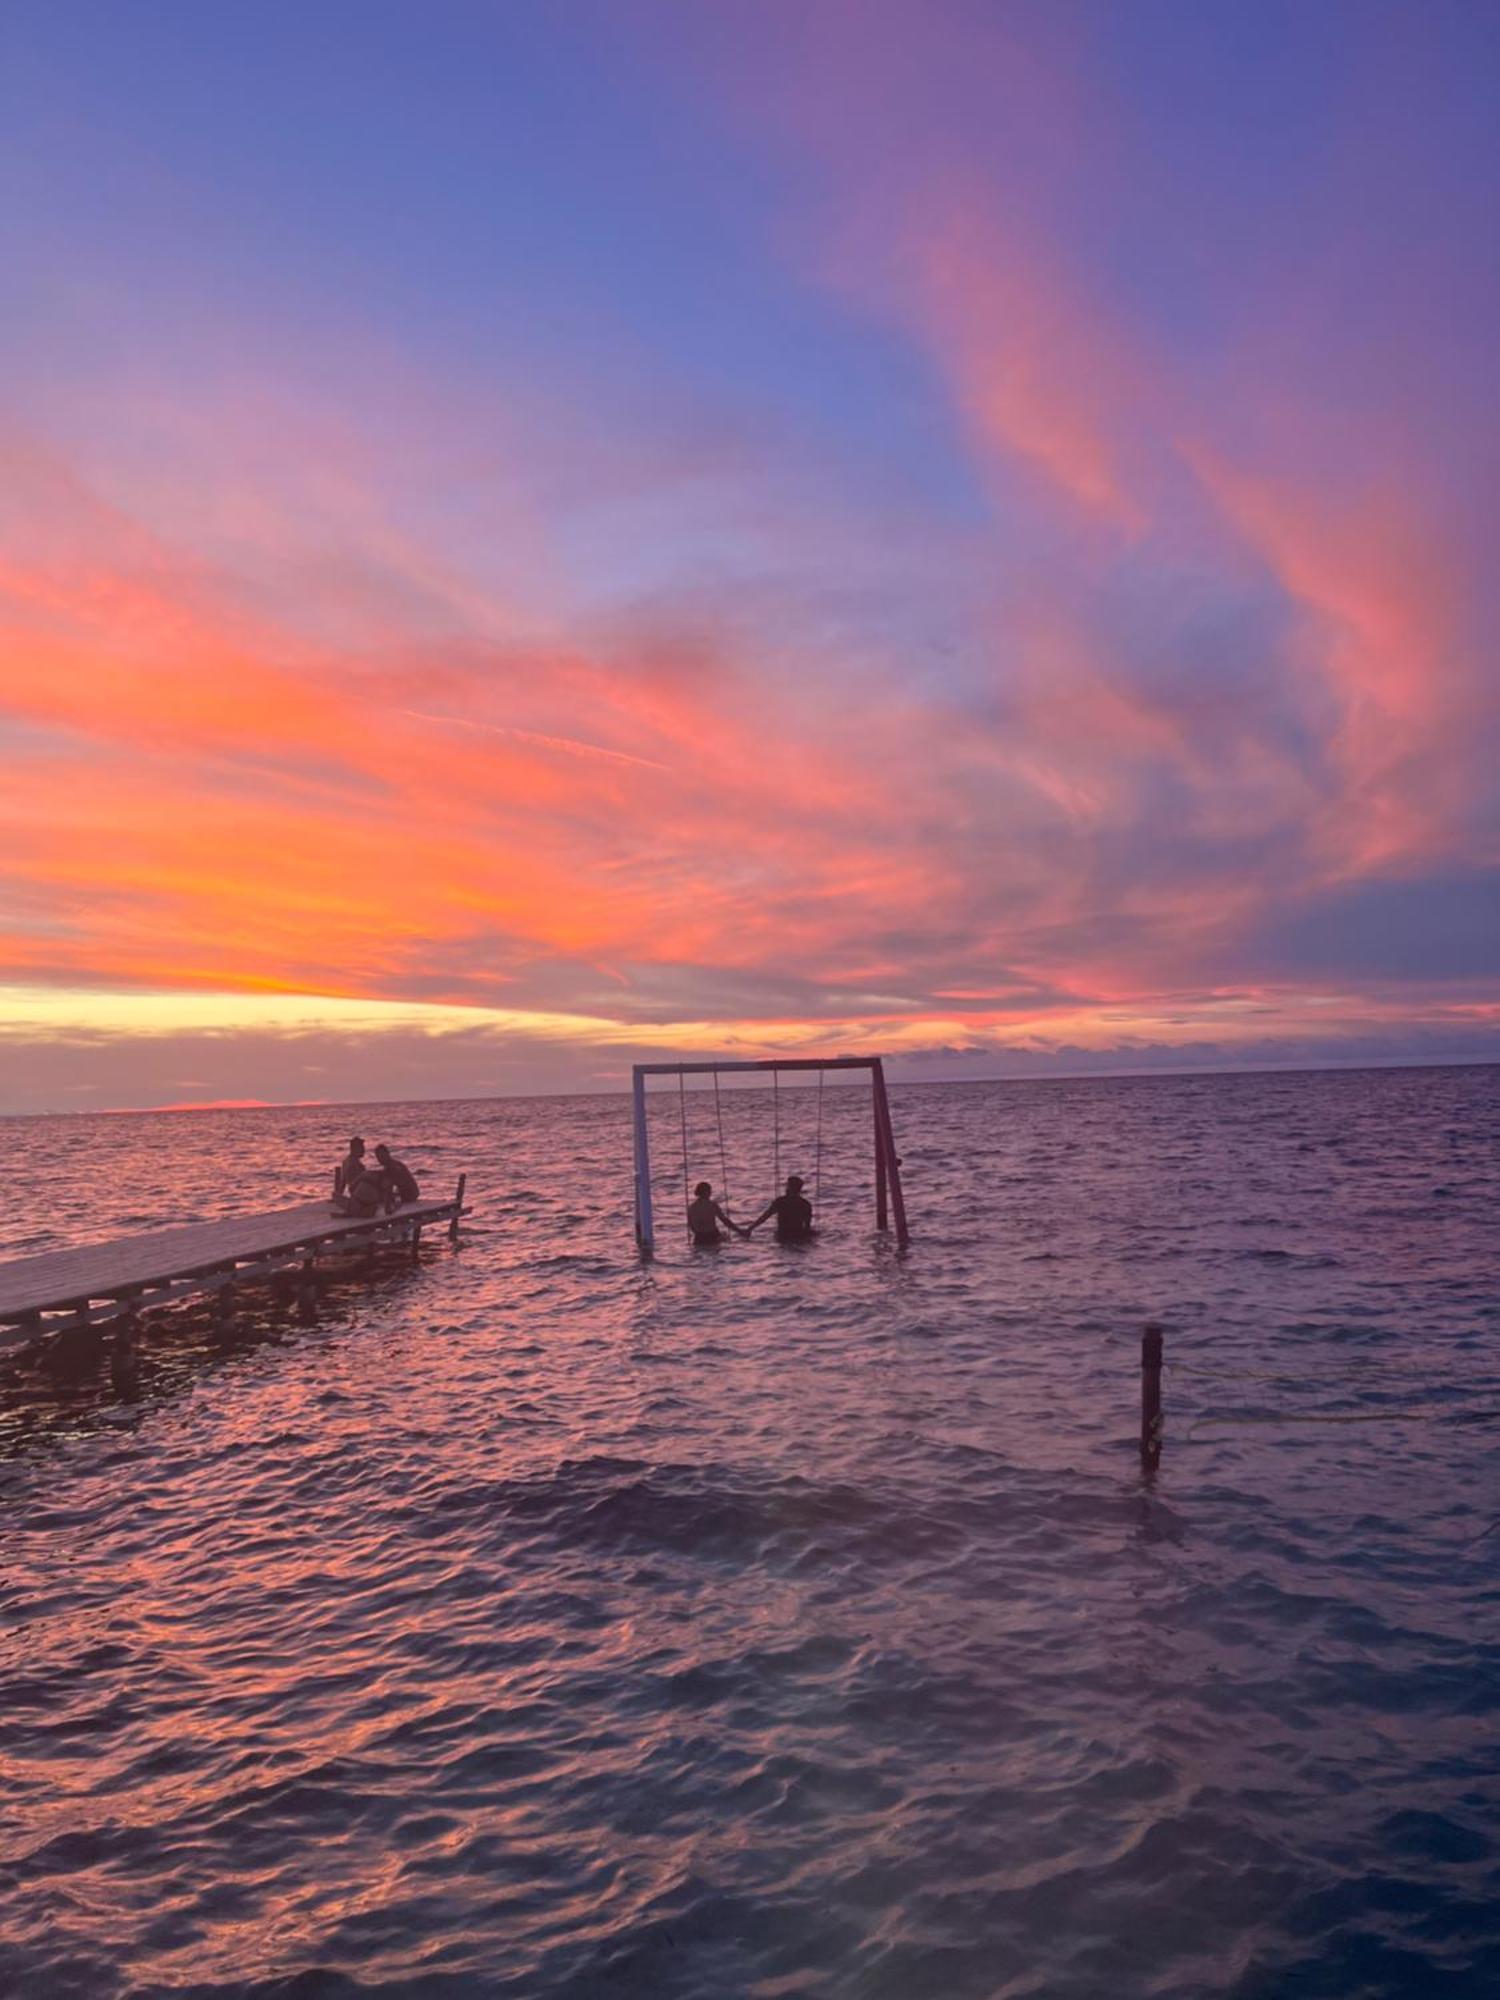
{"x":92,"y":1283}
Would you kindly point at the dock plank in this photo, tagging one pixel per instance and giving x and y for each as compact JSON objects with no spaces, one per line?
{"x":53,"y":1279}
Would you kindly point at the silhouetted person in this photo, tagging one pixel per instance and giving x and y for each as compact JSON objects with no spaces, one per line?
{"x":362,"y":1185}
{"x":399,"y":1176}
{"x":352,"y":1166}
{"x":793,"y":1213}
{"x":367,"y":1196}
{"x":704,"y":1216}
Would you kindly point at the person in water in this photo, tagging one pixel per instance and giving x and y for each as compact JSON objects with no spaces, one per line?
{"x":704,"y":1216}
{"x":793,"y":1213}
{"x":398,"y":1175}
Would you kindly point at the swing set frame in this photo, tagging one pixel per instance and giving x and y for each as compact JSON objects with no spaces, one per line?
{"x":890,"y":1203}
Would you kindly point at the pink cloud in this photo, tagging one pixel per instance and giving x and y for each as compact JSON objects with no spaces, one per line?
{"x":1041,"y":375}
{"x":1382,"y":633}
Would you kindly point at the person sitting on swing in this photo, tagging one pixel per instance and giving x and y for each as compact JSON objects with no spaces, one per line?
{"x":793,"y":1213}
{"x":704,"y":1216}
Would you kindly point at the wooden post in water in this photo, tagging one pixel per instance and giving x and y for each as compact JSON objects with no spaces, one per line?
{"x":882,"y":1213}
{"x":226,"y":1304}
{"x":458,"y":1200}
{"x":887,"y":1139}
{"x":1151,"y":1355}
{"x":645,"y":1234}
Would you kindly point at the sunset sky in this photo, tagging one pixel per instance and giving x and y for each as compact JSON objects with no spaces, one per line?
{"x":537,"y":534}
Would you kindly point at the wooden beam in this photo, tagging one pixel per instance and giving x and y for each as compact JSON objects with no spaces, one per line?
{"x":776,"y":1062}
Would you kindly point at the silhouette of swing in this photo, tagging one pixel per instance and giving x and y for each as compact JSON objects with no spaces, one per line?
{"x":889,"y":1198}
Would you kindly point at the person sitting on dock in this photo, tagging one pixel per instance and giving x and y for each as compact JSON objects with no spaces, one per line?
{"x":362,"y":1187}
{"x":704,"y":1216}
{"x":793,"y":1213}
{"x":368,"y":1194}
{"x":399,"y":1176}
{"x":352,"y":1166}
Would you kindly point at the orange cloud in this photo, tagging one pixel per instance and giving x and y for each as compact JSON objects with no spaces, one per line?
{"x":247,"y":809}
{"x":212,"y":799}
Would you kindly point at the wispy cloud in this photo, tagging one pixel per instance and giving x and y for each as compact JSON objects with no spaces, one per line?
{"x":988,"y":636}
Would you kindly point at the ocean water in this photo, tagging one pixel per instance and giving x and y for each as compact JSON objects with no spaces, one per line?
{"x":781,"y":1621}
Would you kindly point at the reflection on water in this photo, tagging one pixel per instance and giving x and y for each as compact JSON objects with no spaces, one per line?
{"x":782,"y":1622}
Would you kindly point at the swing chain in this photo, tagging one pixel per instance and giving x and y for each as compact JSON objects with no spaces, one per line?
{"x":723,"y":1156}
{"x":818,"y":1150}
{"x":687,"y":1192}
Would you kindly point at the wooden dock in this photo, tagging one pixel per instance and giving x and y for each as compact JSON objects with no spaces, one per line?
{"x":78,"y":1287}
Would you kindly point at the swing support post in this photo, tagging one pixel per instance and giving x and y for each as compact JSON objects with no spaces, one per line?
{"x":645,"y":1234}
{"x":890,"y":1202}
{"x":885,"y":1153}
{"x":882,"y":1210}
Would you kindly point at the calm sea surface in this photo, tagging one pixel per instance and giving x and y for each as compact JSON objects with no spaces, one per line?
{"x":778,"y":1621}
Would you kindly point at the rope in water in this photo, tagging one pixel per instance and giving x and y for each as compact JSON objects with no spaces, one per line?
{"x":818,"y":1154}
{"x":1360,"y":1417}
{"x":1362,"y":1370}
{"x":1219,"y":1425}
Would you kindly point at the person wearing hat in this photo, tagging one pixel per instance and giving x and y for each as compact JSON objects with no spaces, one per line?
{"x":793,"y":1213}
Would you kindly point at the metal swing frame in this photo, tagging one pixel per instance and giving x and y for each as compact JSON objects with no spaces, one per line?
{"x":890,"y":1203}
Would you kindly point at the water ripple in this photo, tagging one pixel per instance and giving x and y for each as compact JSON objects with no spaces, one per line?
{"x":781,"y":1625}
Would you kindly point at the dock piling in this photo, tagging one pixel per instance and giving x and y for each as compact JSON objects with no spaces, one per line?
{"x":458,"y":1208}
{"x":307,"y":1295}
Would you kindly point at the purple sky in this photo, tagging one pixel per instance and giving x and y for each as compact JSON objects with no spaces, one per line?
{"x":541,"y":534}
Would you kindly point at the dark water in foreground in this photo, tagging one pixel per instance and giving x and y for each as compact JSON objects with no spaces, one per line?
{"x":785,"y":1622}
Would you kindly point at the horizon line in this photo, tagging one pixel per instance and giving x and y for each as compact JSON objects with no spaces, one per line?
{"x":1350,"y":1068}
